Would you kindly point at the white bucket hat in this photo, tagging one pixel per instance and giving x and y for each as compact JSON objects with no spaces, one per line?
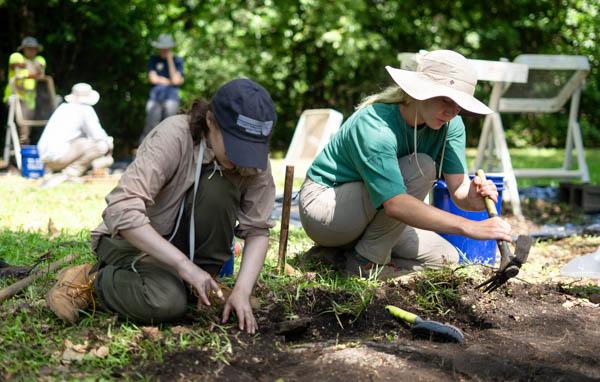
{"x":165,"y":41}
{"x":441,"y":73}
{"x":83,"y":93}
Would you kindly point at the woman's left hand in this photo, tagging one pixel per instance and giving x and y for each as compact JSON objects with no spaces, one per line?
{"x":480,"y":189}
{"x":240,"y":303}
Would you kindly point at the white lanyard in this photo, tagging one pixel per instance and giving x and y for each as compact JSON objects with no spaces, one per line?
{"x":192,"y":237}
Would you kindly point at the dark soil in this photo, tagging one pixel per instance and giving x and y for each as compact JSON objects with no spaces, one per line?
{"x":522,"y":332}
{"x":525,"y":333}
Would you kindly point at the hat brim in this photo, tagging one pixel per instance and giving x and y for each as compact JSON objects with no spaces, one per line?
{"x":162,"y":46}
{"x":38,"y":47}
{"x":245,"y":153}
{"x":91,"y":99}
{"x":421,"y":87}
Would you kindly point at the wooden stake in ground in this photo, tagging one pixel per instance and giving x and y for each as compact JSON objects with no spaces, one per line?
{"x":15,"y":288}
{"x":285,"y":217}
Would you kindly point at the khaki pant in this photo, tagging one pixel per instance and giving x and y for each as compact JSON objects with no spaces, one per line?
{"x":344,"y":216}
{"x":82,"y":154}
{"x":143,"y":289}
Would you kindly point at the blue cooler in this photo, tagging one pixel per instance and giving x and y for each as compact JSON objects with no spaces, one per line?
{"x":31,"y":164}
{"x":478,"y":251}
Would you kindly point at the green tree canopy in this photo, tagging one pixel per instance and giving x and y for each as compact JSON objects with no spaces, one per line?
{"x":307,"y":53}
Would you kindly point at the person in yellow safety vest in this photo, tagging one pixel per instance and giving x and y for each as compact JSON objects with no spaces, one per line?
{"x":24,"y":69}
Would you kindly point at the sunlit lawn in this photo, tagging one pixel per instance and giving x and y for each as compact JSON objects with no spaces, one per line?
{"x":545,"y":158}
{"x":73,"y":207}
{"x":32,"y":339}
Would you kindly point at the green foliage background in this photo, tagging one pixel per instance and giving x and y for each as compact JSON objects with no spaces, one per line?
{"x":307,"y":53}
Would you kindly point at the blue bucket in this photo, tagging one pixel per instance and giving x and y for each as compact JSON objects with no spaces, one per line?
{"x":478,"y":251}
{"x":227,"y":268}
{"x":31,"y":164}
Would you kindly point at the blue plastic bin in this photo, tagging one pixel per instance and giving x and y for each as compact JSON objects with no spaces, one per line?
{"x":478,"y":251}
{"x":31,"y":164}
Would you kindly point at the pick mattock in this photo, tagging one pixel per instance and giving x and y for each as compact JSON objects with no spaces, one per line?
{"x":285,"y":217}
{"x":509,"y":264}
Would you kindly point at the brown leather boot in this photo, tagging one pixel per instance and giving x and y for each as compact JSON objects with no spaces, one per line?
{"x":73,"y":291}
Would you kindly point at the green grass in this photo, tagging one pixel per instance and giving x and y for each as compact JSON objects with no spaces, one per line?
{"x":32,"y":339}
{"x":545,"y":158}
{"x":72,"y":207}
{"x":437,"y":290}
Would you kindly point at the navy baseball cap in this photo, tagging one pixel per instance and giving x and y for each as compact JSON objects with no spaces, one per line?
{"x":246,"y":115}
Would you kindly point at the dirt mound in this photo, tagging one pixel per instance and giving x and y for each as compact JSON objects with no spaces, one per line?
{"x":525,"y":333}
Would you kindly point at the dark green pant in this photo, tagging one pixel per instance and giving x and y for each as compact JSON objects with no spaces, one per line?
{"x":143,"y":289}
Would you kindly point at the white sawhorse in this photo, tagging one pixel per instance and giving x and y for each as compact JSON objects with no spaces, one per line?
{"x":11,"y":140}
{"x":492,"y":140}
{"x":529,"y":99}
{"x":12,"y":147}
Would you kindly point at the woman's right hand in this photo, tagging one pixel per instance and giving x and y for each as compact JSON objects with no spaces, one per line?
{"x":201,"y":281}
{"x":490,"y":229}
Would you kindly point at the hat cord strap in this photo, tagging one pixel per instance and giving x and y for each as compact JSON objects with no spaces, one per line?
{"x":443,"y":151}
{"x":415,"y":145}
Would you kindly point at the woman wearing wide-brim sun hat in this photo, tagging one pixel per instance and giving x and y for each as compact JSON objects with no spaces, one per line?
{"x":363,"y":195}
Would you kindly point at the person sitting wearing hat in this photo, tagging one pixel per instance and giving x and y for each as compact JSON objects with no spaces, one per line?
{"x":73,"y":139}
{"x":197,"y":180}
{"x":165,"y":74}
{"x":23,"y":71}
{"x":363,"y":194}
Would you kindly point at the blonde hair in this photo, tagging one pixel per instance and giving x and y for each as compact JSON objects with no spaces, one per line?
{"x":392,"y":94}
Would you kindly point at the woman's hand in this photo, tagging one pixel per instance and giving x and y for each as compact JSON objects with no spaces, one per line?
{"x":202,"y":283}
{"x":490,"y":229}
{"x":240,"y":303}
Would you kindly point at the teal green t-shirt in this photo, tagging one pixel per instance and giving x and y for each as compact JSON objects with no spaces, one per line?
{"x":368,"y":145}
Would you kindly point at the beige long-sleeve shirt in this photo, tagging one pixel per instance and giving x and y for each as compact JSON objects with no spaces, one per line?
{"x":154,"y":185}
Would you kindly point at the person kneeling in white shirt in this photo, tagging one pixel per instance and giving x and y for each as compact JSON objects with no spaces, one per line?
{"x":73,"y":139}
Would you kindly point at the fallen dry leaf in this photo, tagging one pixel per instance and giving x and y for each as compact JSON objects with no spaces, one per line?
{"x":291,"y":271}
{"x":73,"y":352}
{"x":152,"y":333}
{"x":53,"y":232}
{"x":180,"y":329}
{"x":70,"y":355}
{"x":100,"y":352}
{"x":80,"y":348}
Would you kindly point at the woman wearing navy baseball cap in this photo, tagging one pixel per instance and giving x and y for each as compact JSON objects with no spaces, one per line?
{"x":198,"y":179}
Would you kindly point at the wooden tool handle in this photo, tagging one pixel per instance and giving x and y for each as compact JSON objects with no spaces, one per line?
{"x":489,"y":203}
{"x":15,"y":288}
{"x":493,"y":212}
{"x":285,"y":217}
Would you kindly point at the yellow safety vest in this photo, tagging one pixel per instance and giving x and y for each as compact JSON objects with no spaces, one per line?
{"x":25,"y":86}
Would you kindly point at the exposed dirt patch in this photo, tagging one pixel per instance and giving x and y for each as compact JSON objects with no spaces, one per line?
{"x":539,"y":328}
{"x":527,"y":332}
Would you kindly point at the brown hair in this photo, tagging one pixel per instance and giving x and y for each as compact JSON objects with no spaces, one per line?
{"x":197,"y":116}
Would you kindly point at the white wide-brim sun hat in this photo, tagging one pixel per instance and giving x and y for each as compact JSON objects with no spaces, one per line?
{"x":83,"y":93}
{"x":441,"y":73}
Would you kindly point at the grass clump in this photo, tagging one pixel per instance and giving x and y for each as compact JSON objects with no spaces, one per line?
{"x":437,"y":291}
